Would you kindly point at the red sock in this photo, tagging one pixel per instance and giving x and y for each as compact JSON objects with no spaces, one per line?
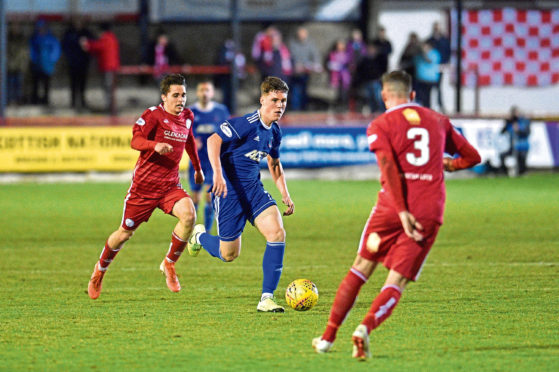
{"x":107,"y":256}
{"x":382,"y":306}
{"x":176,"y":248}
{"x":343,"y":302}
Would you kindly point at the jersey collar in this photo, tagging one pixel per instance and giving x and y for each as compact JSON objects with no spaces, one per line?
{"x":403,"y":105}
{"x":268,"y":127}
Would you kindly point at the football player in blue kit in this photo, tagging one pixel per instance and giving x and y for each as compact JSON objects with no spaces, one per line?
{"x":235,"y":151}
{"x":208,"y":114}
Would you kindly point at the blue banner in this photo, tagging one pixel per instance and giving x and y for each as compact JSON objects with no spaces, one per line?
{"x":312,"y":147}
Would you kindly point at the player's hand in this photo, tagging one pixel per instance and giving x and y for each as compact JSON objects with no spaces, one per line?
{"x":411,"y":226}
{"x":199,"y":177}
{"x":447,"y":164}
{"x":163,"y":148}
{"x":290,"y":206}
{"x":219,"y":187}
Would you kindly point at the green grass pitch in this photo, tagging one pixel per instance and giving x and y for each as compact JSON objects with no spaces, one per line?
{"x":487,"y":300}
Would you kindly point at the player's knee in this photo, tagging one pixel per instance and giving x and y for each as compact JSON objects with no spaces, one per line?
{"x":229,"y":256}
{"x":125,"y":235}
{"x":277,"y":235}
{"x":187,"y":218}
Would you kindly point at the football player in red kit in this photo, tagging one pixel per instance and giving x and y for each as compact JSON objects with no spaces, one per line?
{"x":161,"y":135}
{"x":409,"y":142}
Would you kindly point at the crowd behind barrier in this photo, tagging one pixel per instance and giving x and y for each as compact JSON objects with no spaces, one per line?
{"x":352,"y":67}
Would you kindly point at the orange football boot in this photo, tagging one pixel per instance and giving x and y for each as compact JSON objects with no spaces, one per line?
{"x":168,"y":269}
{"x":96,"y":282}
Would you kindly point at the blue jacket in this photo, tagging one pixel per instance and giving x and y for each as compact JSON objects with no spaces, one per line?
{"x":45,"y":52}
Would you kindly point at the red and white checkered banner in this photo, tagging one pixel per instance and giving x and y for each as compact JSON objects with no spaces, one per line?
{"x":509,"y":47}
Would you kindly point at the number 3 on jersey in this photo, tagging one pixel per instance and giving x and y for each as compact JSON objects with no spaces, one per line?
{"x":421,"y":144}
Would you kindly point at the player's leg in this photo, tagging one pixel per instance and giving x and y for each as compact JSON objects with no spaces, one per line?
{"x":231,"y":220}
{"x":208,"y":211}
{"x":183,"y":209}
{"x":112,"y":246}
{"x":194,"y":188}
{"x":380,"y":310}
{"x":270,"y":225}
{"x":344,"y":300}
{"x":405,"y":260}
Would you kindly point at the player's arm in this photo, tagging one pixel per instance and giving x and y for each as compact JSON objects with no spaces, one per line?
{"x":140,"y":139}
{"x":278,"y":175}
{"x":213,"y":144}
{"x":192,"y":152}
{"x":394,"y":187}
{"x":456,"y":143}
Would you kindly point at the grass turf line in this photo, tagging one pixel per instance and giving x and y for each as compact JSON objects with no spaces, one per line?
{"x":487,"y":298}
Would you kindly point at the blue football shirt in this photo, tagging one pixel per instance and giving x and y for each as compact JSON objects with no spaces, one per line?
{"x":205,"y":124}
{"x":246,"y":141}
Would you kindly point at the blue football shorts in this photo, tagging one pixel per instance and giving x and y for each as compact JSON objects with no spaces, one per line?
{"x":208,"y":177}
{"x":233,"y":211}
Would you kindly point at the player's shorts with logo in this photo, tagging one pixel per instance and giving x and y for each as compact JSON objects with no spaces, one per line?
{"x":208,"y":177}
{"x":384,"y":240}
{"x":232,"y":211}
{"x":138,"y":209}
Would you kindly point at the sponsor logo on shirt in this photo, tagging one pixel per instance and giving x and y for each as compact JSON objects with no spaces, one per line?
{"x":226,"y":129}
{"x":169,"y":134}
{"x":256,"y":155}
{"x":140,"y":121}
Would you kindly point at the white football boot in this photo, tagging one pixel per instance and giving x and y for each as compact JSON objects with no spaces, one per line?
{"x":360,"y":340}
{"x":269,"y":305}
{"x":321,"y":346}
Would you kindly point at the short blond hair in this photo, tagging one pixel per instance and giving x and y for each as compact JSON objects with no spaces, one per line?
{"x":399,"y":81}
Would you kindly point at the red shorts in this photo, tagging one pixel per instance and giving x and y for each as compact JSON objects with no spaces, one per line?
{"x":138,"y":209}
{"x":384,"y":240}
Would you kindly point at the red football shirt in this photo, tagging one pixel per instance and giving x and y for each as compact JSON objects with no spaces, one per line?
{"x":418,"y":138}
{"x":156,"y":174}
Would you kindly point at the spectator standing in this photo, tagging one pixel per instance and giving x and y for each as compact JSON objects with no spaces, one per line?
{"x":427,"y":71}
{"x":274,"y":56}
{"x":17,"y":63}
{"x":384,"y":48}
{"x":106,"y":49}
{"x":78,"y":61}
{"x":340,"y":75}
{"x":306,"y":60}
{"x":355,"y":48}
{"x":369,"y":74}
{"x":407,"y":59}
{"x":162,"y":54}
{"x":45,"y":52}
{"x":518,"y":128}
{"x":442,"y":44}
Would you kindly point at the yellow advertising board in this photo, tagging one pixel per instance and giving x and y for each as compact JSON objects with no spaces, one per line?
{"x":68,"y":149}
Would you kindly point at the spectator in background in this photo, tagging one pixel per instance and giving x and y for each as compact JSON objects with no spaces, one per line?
{"x":106,"y":49}
{"x":340,"y":75}
{"x":518,"y":128}
{"x":427,"y":72}
{"x":17,"y":63}
{"x":306,"y":60}
{"x":384,"y":48}
{"x":272,"y":55}
{"x":162,"y":54}
{"x":355,"y":49}
{"x":45,"y":52}
{"x":368,"y":75}
{"x":407,"y":59}
{"x":78,"y":61}
{"x":442,"y":44}
{"x":227,"y":53}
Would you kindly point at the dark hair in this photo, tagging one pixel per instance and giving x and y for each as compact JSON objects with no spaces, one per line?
{"x":172,"y":79}
{"x":273,"y":84}
{"x":400,"y":80}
